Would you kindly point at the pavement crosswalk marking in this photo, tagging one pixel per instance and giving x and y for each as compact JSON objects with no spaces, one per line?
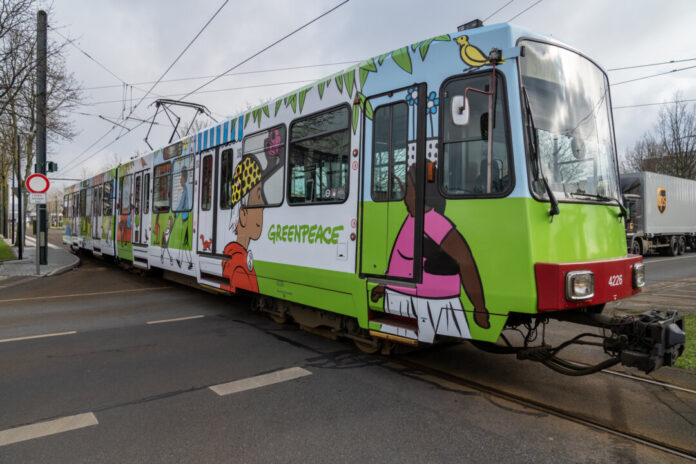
{"x":32,"y":243}
{"x":43,"y":429}
{"x":31,"y":337}
{"x":177,"y":319}
{"x":260,"y":381}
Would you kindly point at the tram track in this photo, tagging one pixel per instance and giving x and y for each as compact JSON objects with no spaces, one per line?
{"x":549,"y":409}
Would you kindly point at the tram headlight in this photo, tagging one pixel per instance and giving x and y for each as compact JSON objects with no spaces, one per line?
{"x":579,"y":285}
{"x":638,"y":275}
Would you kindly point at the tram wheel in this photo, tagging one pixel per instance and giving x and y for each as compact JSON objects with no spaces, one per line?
{"x":368,"y":348}
{"x":278,"y":318}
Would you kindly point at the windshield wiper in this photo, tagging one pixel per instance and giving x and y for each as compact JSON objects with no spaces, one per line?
{"x":535,"y":155}
{"x":597,"y":197}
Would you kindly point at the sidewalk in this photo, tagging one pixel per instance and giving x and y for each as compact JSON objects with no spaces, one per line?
{"x":59,"y":260}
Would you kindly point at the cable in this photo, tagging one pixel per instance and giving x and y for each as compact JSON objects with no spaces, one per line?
{"x":653,"y":75}
{"x":180,"y":55}
{"x":638,"y":105}
{"x":72,"y":42}
{"x":220,"y":75}
{"x":266,"y":48}
{"x":651,"y":64}
{"x":213,"y":91}
{"x":496,"y":11}
{"x":525,"y":10}
{"x":146,"y":94}
{"x":231,"y":74}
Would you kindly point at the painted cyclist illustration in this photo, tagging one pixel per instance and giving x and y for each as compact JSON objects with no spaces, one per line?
{"x":448,"y":264}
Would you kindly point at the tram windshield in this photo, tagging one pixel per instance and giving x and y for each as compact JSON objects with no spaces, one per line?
{"x":569,"y":103}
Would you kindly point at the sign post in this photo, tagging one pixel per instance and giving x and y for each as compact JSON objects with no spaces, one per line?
{"x":38,"y":185}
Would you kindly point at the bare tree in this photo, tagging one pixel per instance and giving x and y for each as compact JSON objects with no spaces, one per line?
{"x":670,"y":148}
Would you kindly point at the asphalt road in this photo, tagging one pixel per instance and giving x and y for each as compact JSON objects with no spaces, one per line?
{"x":139,"y":392}
{"x":666,"y":268}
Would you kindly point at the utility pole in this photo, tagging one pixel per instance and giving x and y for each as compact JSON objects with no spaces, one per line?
{"x":41,"y":44}
{"x":20,"y":216}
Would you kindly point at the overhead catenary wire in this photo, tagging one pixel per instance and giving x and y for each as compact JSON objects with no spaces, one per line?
{"x":497,"y":11}
{"x":651,"y":64}
{"x":209,"y":82}
{"x":525,"y":10}
{"x":180,"y":79}
{"x":639,"y":105}
{"x":295,"y":31}
{"x":653,"y":75}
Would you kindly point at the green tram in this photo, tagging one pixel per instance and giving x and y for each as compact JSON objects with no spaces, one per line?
{"x":455,"y":188}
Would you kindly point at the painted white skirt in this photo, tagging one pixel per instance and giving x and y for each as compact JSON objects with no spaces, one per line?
{"x":441,"y":316}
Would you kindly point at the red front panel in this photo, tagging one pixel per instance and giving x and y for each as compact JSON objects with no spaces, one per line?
{"x":613,"y":281}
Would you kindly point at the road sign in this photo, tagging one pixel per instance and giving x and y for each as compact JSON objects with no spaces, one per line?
{"x":37,"y":198}
{"x":37,"y":183}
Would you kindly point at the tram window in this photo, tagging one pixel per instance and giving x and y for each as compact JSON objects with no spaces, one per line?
{"x":206,"y":182}
{"x":95,"y":201}
{"x":227,"y":171}
{"x":66,"y":206}
{"x":83,"y":202}
{"x":125,"y":203}
{"x":162,"y":188}
{"x":108,"y":188}
{"x":465,"y":148}
{"x":389,"y":151}
{"x":268,"y":150}
{"x":146,"y":193}
{"x":138,"y":185}
{"x":319,"y":158}
{"x":76,"y":205}
{"x":182,"y":184}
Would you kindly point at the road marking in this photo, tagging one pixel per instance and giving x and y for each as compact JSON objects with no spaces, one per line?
{"x":260,"y":381}
{"x":176,"y":319}
{"x":73,"y":295}
{"x":43,"y":429}
{"x":31,"y":337}
{"x":668,"y":259}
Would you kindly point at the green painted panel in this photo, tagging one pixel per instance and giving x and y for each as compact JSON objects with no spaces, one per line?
{"x":179,"y":230}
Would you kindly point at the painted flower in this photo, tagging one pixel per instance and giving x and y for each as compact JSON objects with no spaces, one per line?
{"x":433,"y":101}
{"x":412,"y":96}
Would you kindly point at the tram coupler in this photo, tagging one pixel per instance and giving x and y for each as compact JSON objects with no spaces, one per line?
{"x":645,"y":341}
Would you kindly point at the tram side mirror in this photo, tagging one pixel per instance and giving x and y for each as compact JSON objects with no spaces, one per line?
{"x":460,"y":110}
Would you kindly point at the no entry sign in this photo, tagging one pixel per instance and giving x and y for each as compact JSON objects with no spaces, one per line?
{"x":37,"y":183}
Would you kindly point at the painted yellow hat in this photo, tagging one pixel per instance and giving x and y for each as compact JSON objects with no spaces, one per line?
{"x":246,"y":175}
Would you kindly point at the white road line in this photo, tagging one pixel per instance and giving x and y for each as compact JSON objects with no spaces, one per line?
{"x":31,"y":337}
{"x":74,"y":295}
{"x":668,"y":259}
{"x":260,"y":381}
{"x":176,"y":319}
{"x":43,"y":429}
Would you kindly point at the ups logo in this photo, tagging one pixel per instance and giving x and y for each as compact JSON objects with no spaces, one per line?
{"x":661,"y":199}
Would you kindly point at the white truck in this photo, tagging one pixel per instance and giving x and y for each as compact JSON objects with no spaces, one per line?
{"x":661,"y":213}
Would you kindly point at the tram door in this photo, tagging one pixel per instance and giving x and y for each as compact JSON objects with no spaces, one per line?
{"x":393,"y":185}
{"x":137,"y":208}
{"x":205,"y":235}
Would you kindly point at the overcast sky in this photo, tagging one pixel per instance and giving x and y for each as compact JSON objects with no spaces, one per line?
{"x":137,"y":40}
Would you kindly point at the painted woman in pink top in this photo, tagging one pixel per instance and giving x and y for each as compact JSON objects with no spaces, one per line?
{"x":447,"y":265}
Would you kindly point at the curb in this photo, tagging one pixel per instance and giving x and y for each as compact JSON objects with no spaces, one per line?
{"x":64,"y":269}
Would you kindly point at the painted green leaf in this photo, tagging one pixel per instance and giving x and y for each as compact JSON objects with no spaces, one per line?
{"x":328,"y":82}
{"x":382,"y":57}
{"x":424,"y":48}
{"x":443,"y":38}
{"x":339,"y":83}
{"x":349,"y":78}
{"x":402,"y":59}
{"x":265,"y":111}
{"x":292,"y":101}
{"x":369,"y":65}
{"x":246,"y":119}
{"x":356,"y":117}
{"x":363,"y":76}
{"x":303,"y":95}
{"x":369,"y":113}
{"x":320,"y":87}
{"x":415,"y":46}
{"x":278,"y":103}
{"x":234,"y":123}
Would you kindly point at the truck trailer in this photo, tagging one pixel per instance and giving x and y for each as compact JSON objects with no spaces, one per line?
{"x":661,"y":213}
